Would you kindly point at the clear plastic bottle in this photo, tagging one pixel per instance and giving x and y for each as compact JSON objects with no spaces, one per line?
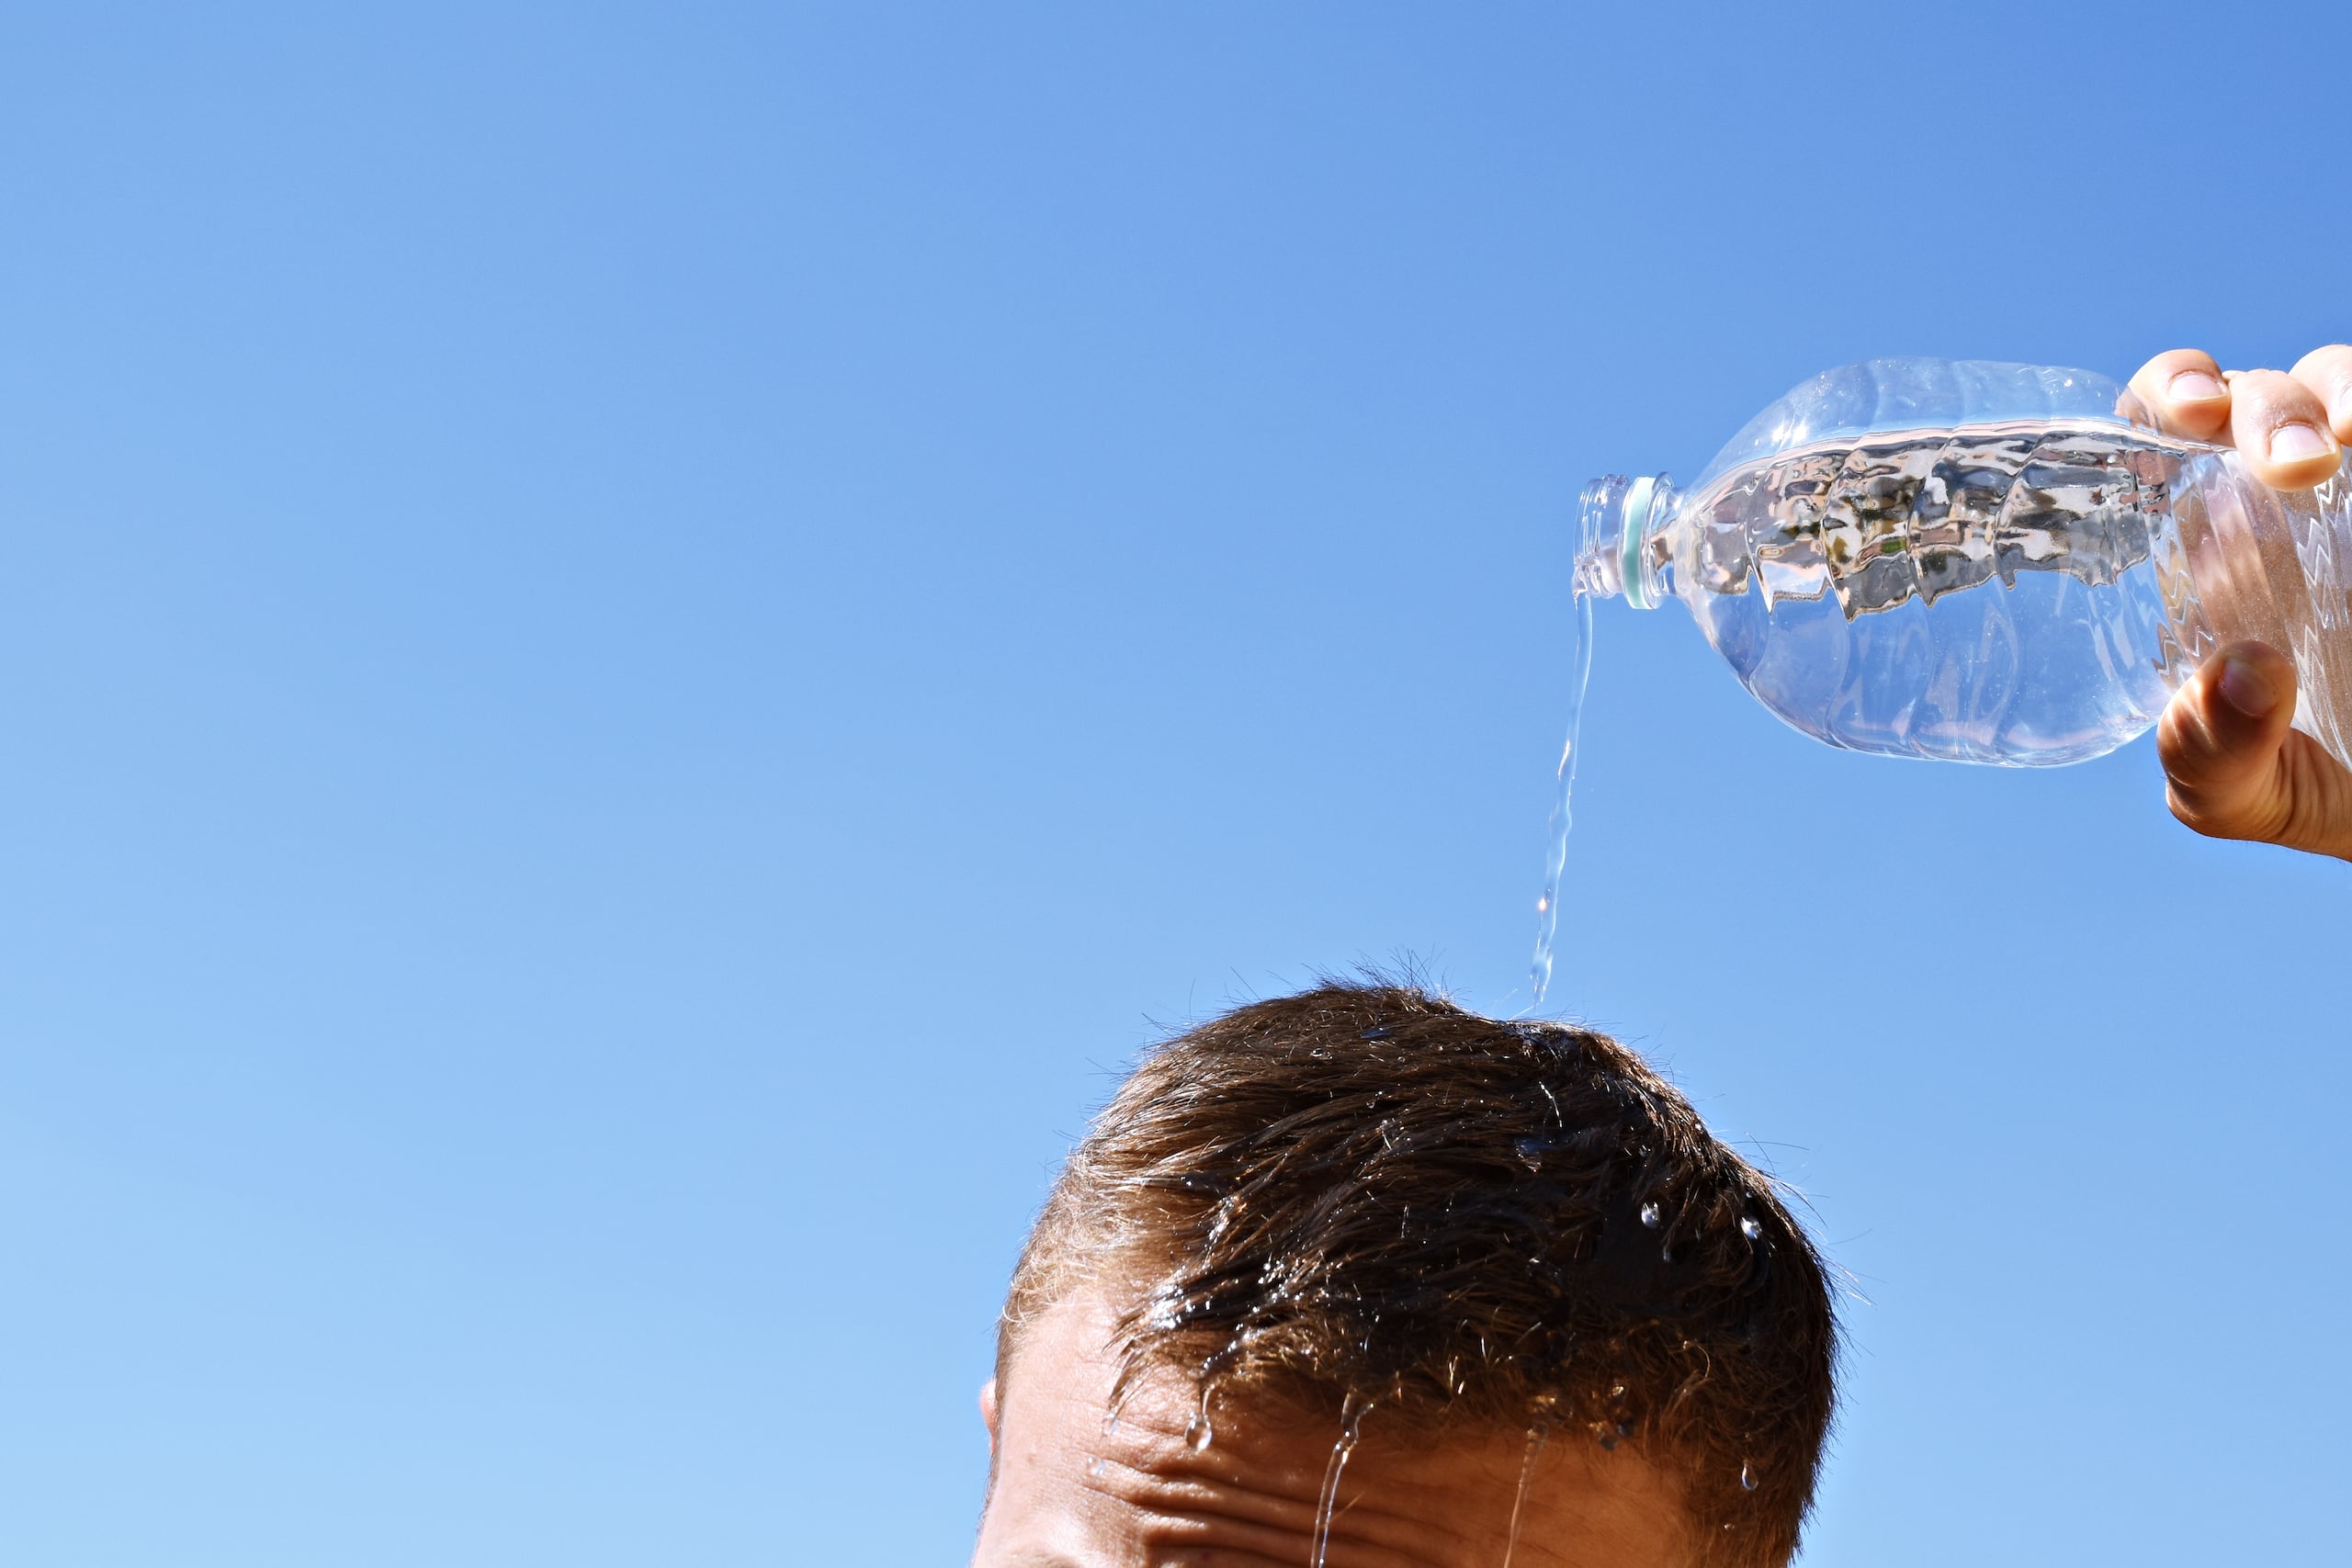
{"x":1982,"y":562}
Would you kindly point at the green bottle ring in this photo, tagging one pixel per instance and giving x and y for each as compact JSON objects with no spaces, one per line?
{"x":1638,"y":496}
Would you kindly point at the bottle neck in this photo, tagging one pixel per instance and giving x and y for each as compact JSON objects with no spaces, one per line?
{"x":1618,"y":523}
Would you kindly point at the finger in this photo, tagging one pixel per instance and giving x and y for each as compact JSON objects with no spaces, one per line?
{"x":2183,"y":387}
{"x":2219,"y":742}
{"x":2328,"y":373}
{"x":2280,"y":427}
{"x":2235,"y":770}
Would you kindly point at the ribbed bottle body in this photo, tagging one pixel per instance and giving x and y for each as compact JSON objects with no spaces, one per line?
{"x":2006,"y":592}
{"x":1982,"y":562}
{"x":2275,"y":567}
{"x":1960,"y":560}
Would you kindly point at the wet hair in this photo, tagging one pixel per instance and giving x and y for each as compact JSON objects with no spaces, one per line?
{"x":1364,"y":1193}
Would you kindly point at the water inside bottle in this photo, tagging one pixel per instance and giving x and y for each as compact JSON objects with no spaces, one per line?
{"x":1998,"y":593}
{"x":1555,"y":854}
{"x":1901,"y":514}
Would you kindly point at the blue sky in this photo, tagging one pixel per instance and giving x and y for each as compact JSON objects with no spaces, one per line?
{"x":640,"y":645}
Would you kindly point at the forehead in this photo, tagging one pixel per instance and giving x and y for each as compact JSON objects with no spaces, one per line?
{"x":1075,"y":1489}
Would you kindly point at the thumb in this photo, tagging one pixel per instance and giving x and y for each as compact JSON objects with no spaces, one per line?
{"x":2233,"y":769}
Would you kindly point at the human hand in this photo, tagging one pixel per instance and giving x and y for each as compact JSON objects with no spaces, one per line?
{"x":2289,"y":426}
{"x":2233,"y":769}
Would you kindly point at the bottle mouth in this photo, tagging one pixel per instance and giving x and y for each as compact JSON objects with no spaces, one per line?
{"x":1614,"y":519}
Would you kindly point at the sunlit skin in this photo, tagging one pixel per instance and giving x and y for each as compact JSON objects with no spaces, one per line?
{"x":1070,"y":1495}
{"x":2233,"y":768}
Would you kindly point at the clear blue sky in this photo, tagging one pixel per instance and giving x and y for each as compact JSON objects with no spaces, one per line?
{"x":639,"y":644}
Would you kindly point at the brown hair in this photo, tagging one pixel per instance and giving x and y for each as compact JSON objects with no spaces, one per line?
{"x":1365,"y":1192}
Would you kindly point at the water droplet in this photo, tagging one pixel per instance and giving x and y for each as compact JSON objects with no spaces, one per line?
{"x":1198,"y":1433}
{"x":1097,"y":1468}
{"x":1531,"y":1153}
{"x":1749,"y":1228}
{"x":1746,"y":1479}
{"x":1649,"y":1215}
{"x":1110,"y":1426}
{"x":1618,"y":1392}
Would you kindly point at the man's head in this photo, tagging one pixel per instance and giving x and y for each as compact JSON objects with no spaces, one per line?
{"x":1464,"y":1278}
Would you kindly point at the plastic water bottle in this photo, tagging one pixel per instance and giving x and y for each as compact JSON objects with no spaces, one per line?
{"x":1982,"y":562}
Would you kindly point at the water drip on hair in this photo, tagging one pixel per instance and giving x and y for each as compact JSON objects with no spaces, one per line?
{"x":1198,"y":1433}
{"x":1555,"y":854}
{"x":1535,"y":1436}
{"x":1746,"y":1479}
{"x":1351,"y":1414}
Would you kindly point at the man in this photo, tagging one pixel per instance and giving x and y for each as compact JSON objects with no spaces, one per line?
{"x":1356,"y":1278}
{"x":2233,"y":768}
{"x":1360,"y":1279}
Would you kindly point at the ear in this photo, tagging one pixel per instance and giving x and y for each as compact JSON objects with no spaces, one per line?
{"x":988,"y":1412}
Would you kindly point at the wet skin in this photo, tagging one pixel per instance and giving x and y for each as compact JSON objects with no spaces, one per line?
{"x":1070,"y":1495}
{"x":2233,"y":768}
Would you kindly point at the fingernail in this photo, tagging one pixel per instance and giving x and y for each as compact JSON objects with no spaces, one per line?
{"x":2293,"y":443}
{"x":2245,"y":689}
{"x":2193,"y":387}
